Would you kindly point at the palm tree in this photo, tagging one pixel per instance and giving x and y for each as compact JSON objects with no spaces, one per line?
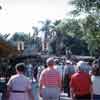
{"x":5,"y":36}
{"x":46,"y":29}
{"x":91,"y":31}
{"x":35,"y":31}
{"x":59,"y":36}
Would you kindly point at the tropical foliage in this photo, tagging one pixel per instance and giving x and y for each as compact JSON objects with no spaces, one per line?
{"x":91,"y":23}
{"x":80,"y":34}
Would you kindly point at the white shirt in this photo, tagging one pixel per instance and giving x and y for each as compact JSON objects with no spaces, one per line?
{"x":61,"y":69}
{"x":96,"y":84}
{"x":20,"y":83}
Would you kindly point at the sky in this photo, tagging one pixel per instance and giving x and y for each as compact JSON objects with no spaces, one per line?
{"x":21,"y":15}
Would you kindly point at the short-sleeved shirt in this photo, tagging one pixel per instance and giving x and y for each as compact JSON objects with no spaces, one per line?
{"x":81,"y":83}
{"x":50,"y":77}
{"x":96,"y":84}
{"x":19,"y":82}
{"x":60,"y":69}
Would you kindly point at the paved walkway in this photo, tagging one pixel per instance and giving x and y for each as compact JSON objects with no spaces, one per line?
{"x":64,"y":96}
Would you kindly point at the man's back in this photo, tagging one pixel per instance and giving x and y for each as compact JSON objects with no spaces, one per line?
{"x":19,"y":82}
{"x":80,"y":81}
{"x":51,"y":77}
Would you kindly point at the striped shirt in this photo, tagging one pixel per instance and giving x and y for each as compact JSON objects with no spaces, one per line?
{"x":50,"y":77}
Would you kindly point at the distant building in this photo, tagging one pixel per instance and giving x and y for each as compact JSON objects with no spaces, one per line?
{"x":7,"y":49}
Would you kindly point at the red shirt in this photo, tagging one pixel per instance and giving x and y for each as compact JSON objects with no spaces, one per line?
{"x":80,"y":83}
{"x":50,"y":77}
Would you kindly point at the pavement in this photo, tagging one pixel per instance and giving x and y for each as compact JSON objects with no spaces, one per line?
{"x":63,"y":96}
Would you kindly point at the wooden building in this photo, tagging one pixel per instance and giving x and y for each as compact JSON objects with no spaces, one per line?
{"x":7,"y":49}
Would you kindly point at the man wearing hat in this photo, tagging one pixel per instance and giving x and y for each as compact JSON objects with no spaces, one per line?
{"x":50,"y":82}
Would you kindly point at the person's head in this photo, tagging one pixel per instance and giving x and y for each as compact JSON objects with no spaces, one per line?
{"x":50,"y":62}
{"x":96,"y":67}
{"x":20,"y":67}
{"x":68,"y":62}
{"x":56,"y":61}
{"x":80,"y":66}
{"x":28,"y":61}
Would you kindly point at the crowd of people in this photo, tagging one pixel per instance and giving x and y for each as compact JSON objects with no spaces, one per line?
{"x":79,"y":80}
